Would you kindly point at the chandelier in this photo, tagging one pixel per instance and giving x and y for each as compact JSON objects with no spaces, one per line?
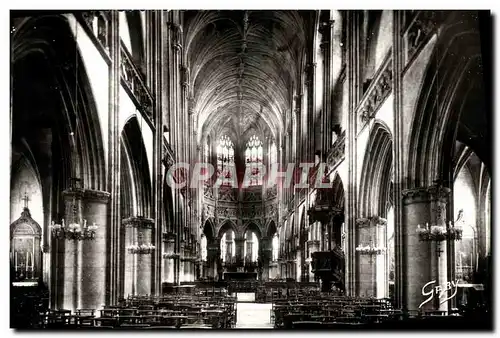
{"x":73,"y":231}
{"x":439,"y":233}
{"x":370,"y":249}
{"x":143,"y":249}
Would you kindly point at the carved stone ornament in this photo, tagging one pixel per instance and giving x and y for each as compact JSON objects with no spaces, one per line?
{"x":138,"y":222}
{"x":421,"y":29}
{"x":438,"y":192}
{"x":377,"y":220}
{"x":337,"y":153}
{"x":96,"y":196}
{"x":377,"y":93}
{"x":415,"y":195}
{"x":168,"y":161}
{"x":363,"y":222}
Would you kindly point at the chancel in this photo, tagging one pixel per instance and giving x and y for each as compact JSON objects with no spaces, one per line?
{"x":218,"y":169}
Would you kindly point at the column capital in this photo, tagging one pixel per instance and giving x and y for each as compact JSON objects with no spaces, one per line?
{"x":363,"y":222}
{"x":96,"y":196}
{"x":425,"y":194}
{"x":377,"y":220}
{"x":138,"y":222}
{"x":438,"y":192}
{"x":415,"y":195}
{"x":76,"y":193}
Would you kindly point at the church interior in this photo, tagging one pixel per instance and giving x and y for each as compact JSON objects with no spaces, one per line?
{"x":224,"y":169}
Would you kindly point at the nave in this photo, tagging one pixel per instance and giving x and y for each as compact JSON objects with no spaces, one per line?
{"x":166,"y":163}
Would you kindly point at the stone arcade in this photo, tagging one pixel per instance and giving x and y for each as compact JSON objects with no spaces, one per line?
{"x":388,"y":110}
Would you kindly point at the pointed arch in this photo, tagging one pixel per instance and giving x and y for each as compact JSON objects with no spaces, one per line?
{"x":135,"y":150}
{"x":209,"y":230}
{"x":454,"y":70}
{"x":49,"y":40}
{"x":227,"y":225}
{"x":375,"y":174}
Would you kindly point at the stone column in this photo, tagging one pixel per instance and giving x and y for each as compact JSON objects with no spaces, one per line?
{"x":93,"y":276}
{"x":326,"y":30}
{"x":70,"y":248}
{"x":140,"y":230}
{"x":113,"y":165}
{"x":182,"y":275}
{"x":366,"y":262}
{"x":381,"y":262}
{"x":157,"y":56}
{"x":212,"y":256}
{"x":168,"y":258}
{"x":239,"y":245}
{"x":353,"y":84}
{"x":423,"y":261}
{"x":266,"y":255}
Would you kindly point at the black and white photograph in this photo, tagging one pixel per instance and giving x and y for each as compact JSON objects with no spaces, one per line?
{"x":311,"y":170}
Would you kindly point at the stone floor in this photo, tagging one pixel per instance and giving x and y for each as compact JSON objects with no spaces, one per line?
{"x":253,"y":316}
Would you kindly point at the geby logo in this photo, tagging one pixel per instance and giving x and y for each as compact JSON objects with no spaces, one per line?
{"x":440,"y":291}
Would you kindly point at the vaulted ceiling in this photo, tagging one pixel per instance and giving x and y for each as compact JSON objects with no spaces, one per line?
{"x":244,"y":67}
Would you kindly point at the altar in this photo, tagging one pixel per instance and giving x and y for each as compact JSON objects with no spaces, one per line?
{"x":240,"y":276}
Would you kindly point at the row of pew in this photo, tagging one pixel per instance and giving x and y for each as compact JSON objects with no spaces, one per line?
{"x":323,"y":310}
{"x":147,"y":312}
{"x":306,"y":310}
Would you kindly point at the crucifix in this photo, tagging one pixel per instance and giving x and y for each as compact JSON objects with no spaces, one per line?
{"x":438,"y":249}
{"x":26,"y":199}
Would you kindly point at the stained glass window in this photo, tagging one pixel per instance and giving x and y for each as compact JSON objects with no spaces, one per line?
{"x":273,"y":156}
{"x":203,"y":248}
{"x":275,"y":246}
{"x":225,"y":159}
{"x":251,"y":248}
{"x":253,"y":159}
{"x":228,"y":246}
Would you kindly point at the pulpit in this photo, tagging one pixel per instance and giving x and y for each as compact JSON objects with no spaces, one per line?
{"x":329,"y":267}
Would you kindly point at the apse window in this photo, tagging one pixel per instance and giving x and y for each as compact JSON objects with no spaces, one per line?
{"x":253,"y":160}
{"x":225,"y":160}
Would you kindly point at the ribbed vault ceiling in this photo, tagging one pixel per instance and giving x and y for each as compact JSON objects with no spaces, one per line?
{"x":243,"y":66}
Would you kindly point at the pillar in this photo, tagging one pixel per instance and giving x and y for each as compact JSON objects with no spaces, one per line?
{"x":94,"y":251}
{"x":69,"y":251}
{"x":366,"y":262}
{"x":157,"y":88}
{"x":381,"y":262}
{"x":181,"y":263}
{"x":399,"y":147}
{"x":372,"y":266}
{"x":168,"y":258}
{"x":266,"y":255}
{"x":138,"y":263}
{"x":239,"y":246}
{"x":353,"y":85}
{"x":212,"y":257}
{"x":113,"y":165}
{"x":326,"y":29}
{"x":423,"y":261}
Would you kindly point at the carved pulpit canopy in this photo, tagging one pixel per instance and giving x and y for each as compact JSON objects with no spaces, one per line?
{"x":325,"y":214}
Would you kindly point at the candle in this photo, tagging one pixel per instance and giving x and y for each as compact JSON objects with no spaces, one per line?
{"x":15,"y":259}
